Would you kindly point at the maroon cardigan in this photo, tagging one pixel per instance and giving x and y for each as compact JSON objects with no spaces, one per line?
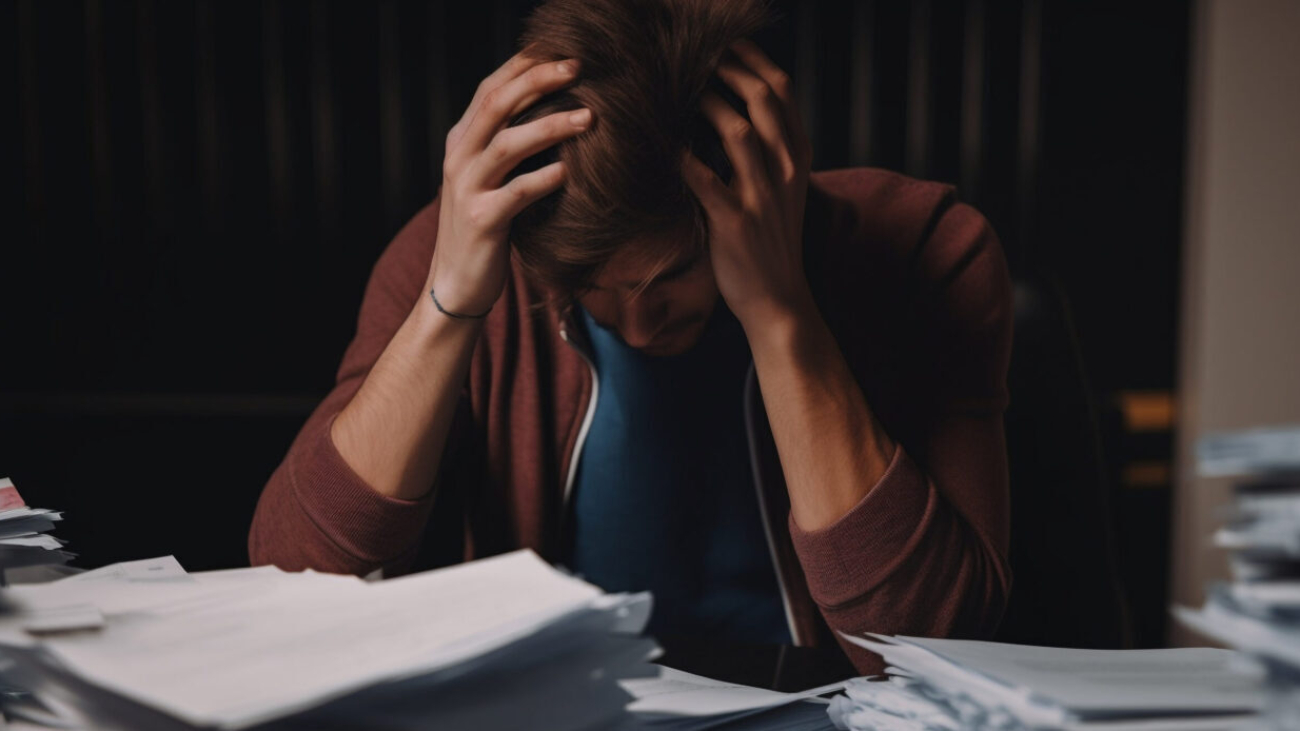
{"x":913,"y":285}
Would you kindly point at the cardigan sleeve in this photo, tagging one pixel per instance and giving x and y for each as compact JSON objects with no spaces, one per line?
{"x":315,"y":511}
{"x":925,"y":551}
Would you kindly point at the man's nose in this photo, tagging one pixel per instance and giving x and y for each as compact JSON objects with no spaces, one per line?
{"x":640,"y":321}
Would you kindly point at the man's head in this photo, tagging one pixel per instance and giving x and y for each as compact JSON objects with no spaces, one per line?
{"x":656,"y":292}
{"x":624,"y":235}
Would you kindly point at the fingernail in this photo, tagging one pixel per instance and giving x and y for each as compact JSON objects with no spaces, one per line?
{"x":566,"y":68}
{"x":580,"y":117}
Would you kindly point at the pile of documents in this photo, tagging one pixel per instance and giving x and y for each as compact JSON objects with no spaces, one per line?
{"x":965,"y":684}
{"x":1259,"y":611}
{"x":504,"y":642}
{"x":501,"y":643}
{"x":24,"y":533}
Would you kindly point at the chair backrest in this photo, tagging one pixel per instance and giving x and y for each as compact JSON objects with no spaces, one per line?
{"x":1066,"y":591}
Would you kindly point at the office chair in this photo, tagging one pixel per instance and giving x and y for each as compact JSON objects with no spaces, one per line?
{"x":1066,"y":590}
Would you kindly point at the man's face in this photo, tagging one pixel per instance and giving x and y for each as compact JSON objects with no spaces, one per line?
{"x":665,"y":317}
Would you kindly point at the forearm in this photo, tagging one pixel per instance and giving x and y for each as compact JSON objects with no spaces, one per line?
{"x":393,"y":430}
{"x":885,"y":545}
{"x":832,"y":448}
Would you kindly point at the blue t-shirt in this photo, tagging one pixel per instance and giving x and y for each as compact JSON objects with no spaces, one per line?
{"x":664,"y":497}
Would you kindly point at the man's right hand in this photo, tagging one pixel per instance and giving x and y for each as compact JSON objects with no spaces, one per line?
{"x":472,"y":260}
{"x":392,"y":431}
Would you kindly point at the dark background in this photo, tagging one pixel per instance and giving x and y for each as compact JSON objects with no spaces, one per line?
{"x":199,"y":189}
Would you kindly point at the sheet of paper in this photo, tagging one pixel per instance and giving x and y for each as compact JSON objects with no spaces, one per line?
{"x":15,"y":513}
{"x":69,"y":618}
{"x":162,"y":568}
{"x":25,"y":521}
{"x":679,"y":693}
{"x":38,"y":540}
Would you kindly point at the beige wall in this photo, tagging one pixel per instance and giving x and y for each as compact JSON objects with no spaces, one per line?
{"x":1240,"y":349}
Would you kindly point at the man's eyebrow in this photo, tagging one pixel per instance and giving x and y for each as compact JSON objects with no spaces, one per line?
{"x":669,"y":273}
{"x":680,"y":269}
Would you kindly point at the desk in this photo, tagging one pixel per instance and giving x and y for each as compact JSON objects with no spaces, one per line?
{"x":775,"y":667}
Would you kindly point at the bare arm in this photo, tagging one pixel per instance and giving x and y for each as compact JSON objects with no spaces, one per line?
{"x":393,"y":431}
{"x":832,"y":448}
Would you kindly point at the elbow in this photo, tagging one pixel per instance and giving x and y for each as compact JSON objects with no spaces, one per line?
{"x":985,"y":601}
{"x":277,"y":532}
{"x":264,"y":549}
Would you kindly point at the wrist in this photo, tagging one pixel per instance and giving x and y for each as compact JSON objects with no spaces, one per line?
{"x":454,"y":314}
{"x":431,"y":326}
{"x":464,"y":288}
{"x":779,"y":323}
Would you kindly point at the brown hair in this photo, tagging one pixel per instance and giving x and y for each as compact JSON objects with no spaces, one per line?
{"x":644,"y":66}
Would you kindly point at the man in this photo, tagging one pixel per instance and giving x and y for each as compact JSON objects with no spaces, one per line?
{"x":771,"y":397}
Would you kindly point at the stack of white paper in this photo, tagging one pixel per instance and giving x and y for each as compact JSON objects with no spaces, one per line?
{"x":24,"y":533}
{"x":499,"y":643}
{"x":1259,"y":612}
{"x":1260,"y":451}
{"x":959,"y":684}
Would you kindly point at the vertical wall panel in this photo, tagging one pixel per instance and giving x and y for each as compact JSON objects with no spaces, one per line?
{"x":441,"y":114}
{"x":277,"y":115}
{"x":210,"y":172}
{"x":105,"y":205}
{"x":324,"y":137}
{"x":1028,"y":153}
{"x":151,"y":123}
{"x":890,"y":74}
{"x":29,"y":109}
{"x":946,"y":58}
{"x":972,"y":102}
{"x":805,"y":72}
{"x":917,"y":156}
{"x":861,"y":75}
{"x":392,"y":132}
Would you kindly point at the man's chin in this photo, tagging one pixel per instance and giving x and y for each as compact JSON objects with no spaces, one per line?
{"x":674,"y":345}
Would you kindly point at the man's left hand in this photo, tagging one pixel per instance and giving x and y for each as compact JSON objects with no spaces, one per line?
{"x":756,"y":222}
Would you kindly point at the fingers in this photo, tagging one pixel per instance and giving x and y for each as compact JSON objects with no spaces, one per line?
{"x":525,"y":189}
{"x":779,"y":81}
{"x":714,"y":194}
{"x":766,"y":113}
{"x":513,"y":145}
{"x":498,"y":104}
{"x":742,"y":146}
{"x":513,"y":67}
